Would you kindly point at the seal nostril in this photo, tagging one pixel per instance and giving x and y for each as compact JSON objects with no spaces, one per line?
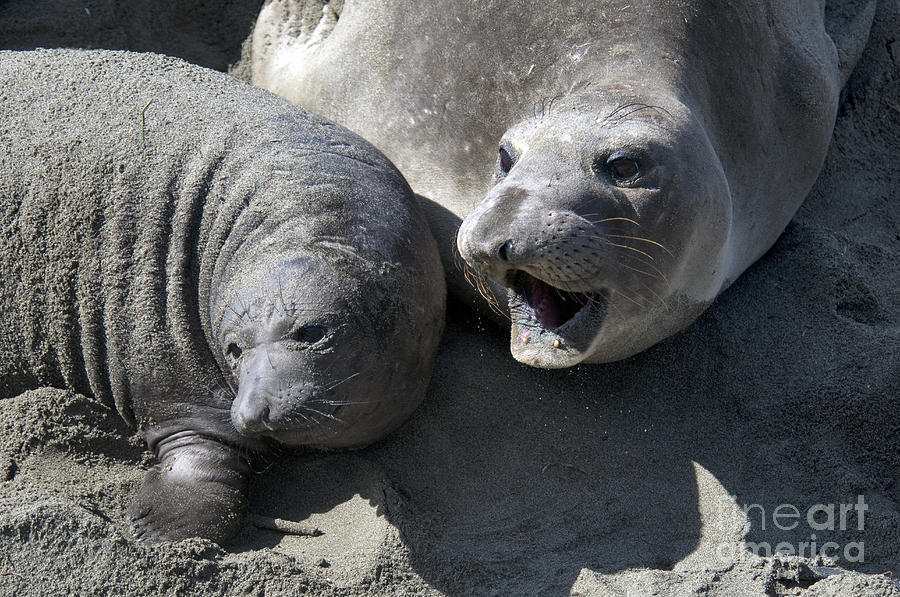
{"x":253,"y":417}
{"x":505,"y":250}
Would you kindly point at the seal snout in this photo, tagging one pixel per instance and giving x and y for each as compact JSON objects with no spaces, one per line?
{"x":489,"y":239}
{"x":250,"y":411}
{"x":490,"y":255}
{"x":278,"y":397}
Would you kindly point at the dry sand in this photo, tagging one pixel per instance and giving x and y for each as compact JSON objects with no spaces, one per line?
{"x":625,"y":479}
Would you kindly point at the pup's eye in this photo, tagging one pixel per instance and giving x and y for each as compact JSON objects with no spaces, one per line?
{"x":310,"y":334}
{"x":234,"y":351}
{"x":623,"y":169}
{"x":506,"y":161}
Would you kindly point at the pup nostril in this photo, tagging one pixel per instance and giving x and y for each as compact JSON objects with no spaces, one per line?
{"x":505,"y":250}
{"x":264,"y":418}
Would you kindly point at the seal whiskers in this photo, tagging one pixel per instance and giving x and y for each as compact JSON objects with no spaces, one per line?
{"x":479,"y":282}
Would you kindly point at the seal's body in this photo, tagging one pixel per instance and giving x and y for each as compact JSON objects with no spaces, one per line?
{"x":225,"y":268}
{"x":637,"y":157}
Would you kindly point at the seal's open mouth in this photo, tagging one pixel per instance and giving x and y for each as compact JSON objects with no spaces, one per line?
{"x":552,"y":327}
{"x":550,"y":306}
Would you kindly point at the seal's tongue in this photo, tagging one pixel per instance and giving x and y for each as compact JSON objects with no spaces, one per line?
{"x":552,"y":307}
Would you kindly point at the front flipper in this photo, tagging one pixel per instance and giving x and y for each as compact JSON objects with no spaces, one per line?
{"x":199,"y":489}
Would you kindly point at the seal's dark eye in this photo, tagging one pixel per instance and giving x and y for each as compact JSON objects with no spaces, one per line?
{"x":506,"y":161}
{"x":310,"y":334}
{"x":623,"y":169}
{"x":234,"y":351}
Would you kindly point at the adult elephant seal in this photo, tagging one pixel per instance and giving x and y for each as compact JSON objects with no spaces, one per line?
{"x":225,"y":268}
{"x":638,"y":155}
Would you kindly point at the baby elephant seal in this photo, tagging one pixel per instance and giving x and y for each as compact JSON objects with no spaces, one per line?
{"x":639,"y":155}
{"x":226,"y":269}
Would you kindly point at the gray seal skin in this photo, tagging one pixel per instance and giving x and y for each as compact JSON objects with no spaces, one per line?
{"x":227,"y":270}
{"x":610,"y":167}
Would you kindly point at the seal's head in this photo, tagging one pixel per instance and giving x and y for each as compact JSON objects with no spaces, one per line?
{"x":320,"y":354}
{"x":607,"y":225}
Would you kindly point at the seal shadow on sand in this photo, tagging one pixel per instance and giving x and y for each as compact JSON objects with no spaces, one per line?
{"x":504,"y":468}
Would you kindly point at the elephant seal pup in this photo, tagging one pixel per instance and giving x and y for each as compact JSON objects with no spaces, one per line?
{"x":639,"y":156}
{"x":226,"y":269}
